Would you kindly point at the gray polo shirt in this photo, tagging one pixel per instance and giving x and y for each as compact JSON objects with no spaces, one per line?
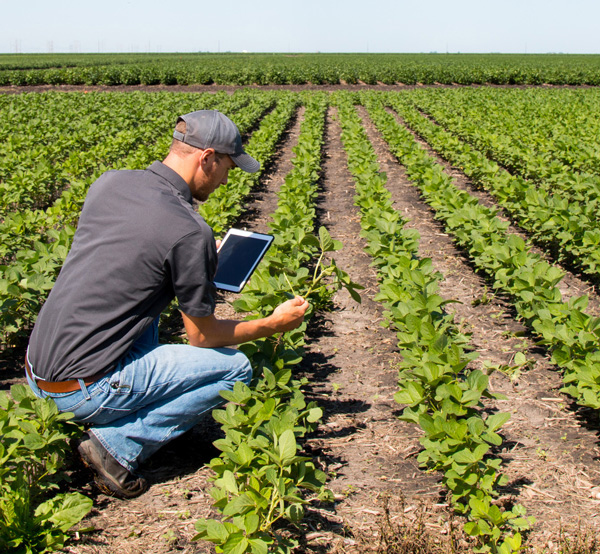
{"x":139,"y":244}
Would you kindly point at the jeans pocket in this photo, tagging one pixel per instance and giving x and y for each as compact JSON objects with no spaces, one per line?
{"x":79,"y":403}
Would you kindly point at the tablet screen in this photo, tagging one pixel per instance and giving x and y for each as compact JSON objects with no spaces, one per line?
{"x":239,"y":254}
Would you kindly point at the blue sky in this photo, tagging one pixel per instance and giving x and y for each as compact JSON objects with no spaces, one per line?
{"x":510,"y":26}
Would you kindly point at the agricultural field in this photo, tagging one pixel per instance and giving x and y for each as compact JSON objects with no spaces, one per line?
{"x":455,"y":408}
{"x":297,"y":69}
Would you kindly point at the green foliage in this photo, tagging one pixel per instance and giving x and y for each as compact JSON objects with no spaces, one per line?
{"x":572,"y":335}
{"x":550,"y":186}
{"x":109,"y":130}
{"x":260,"y":475}
{"x":260,"y":480}
{"x":280,"y":69}
{"x":35,"y":442}
{"x":441,"y":395}
{"x":553,"y":191}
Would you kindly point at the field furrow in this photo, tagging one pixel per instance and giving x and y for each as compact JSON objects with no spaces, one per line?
{"x":351,"y":366}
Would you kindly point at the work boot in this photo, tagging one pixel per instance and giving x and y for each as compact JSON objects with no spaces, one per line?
{"x":110,"y":476}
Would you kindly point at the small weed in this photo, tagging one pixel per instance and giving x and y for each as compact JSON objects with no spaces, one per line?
{"x":513,"y":370}
{"x":349,"y":490}
{"x":522,"y":345}
{"x":170,"y":537}
{"x":485,"y":298}
{"x":541,"y":453}
{"x":465,"y":326}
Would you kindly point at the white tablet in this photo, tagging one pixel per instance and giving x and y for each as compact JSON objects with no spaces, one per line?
{"x":239,"y":254}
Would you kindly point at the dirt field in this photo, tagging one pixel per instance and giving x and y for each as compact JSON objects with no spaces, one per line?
{"x":551,"y":451}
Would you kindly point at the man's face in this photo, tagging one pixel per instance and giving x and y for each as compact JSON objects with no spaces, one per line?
{"x":211,"y":175}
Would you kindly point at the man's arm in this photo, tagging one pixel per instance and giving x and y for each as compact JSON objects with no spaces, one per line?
{"x":211,"y":332}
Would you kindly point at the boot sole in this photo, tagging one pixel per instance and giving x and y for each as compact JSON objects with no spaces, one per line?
{"x":101,"y":478}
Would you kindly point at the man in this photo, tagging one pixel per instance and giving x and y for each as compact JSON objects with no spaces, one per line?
{"x":139,"y":244}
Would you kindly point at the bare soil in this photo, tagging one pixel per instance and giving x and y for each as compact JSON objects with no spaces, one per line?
{"x":551,"y":451}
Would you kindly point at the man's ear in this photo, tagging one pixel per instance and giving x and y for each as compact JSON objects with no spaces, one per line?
{"x":206,"y":155}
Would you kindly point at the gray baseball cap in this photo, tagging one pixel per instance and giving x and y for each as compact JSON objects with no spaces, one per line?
{"x":212,"y":129}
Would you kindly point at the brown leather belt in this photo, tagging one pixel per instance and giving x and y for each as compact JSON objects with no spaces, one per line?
{"x":60,"y":386}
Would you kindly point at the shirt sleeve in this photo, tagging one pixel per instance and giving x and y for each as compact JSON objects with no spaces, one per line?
{"x":192,"y":262}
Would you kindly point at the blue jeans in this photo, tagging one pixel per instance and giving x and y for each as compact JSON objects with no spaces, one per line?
{"x":156,"y":393}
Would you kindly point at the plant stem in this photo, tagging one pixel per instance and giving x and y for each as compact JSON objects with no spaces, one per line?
{"x":290,"y":284}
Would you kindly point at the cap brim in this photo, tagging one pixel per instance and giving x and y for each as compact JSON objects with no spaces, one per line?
{"x":246,"y":163}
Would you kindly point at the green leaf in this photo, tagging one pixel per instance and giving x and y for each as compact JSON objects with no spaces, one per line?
{"x":411,"y":395}
{"x":66,"y":510}
{"x":513,"y":543}
{"x":251,"y":523}
{"x":21,"y":392}
{"x":327,"y":244}
{"x":496,"y":421}
{"x":267,"y":409}
{"x":479,"y":508}
{"x":34,"y":441}
{"x":477,"y":380}
{"x":283,"y":376}
{"x":259,"y":546}
{"x":466,"y":456}
{"x":310,"y":241}
{"x":471,"y":528}
{"x":294,"y":512}
{"x":229,"y":482}
{"x":238,"y":506}
{"x":236,"y":544}
{"x":314,"y":415}
{"x":287,"y":446}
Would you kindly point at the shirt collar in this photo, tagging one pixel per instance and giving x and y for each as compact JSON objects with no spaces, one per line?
{"x":173,"y":178}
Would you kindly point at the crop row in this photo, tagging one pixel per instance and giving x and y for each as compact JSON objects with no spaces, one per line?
{"x":41,"y":153}
{"x":131,"y":148}
{"x":259,"y":477}
{"x":569,"y":228}
{"x":31,"y":264}
{"x":549,"y":139}
{"x":34,"y":242}
{"x":571,"y":334}
{"x":440,"y":393}
{"x":264,"y":69}
{"x":539,"y":133}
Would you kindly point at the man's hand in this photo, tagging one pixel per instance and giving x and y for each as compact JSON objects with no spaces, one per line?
{"x":211,"y":332}
{"x":290,"y":314}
